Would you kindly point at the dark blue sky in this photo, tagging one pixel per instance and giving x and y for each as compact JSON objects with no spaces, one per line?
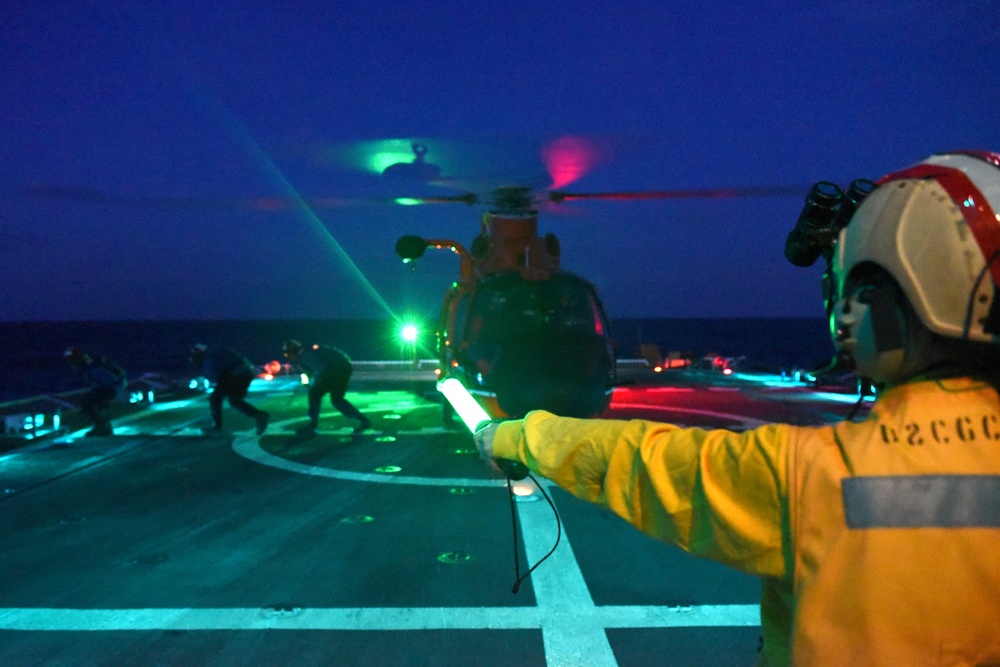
{"x":174,"y":112}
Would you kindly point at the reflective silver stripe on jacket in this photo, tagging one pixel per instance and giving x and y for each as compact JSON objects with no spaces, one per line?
{"x":924,"y":501}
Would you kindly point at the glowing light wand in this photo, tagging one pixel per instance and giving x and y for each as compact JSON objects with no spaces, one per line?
{"x":473,"y":415}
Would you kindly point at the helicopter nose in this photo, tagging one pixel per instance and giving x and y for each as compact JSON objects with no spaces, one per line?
{"x":570,"y":380}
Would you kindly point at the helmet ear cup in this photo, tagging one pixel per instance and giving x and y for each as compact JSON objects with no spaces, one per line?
{"x":887,"y":319}
{"x":888,"y":323}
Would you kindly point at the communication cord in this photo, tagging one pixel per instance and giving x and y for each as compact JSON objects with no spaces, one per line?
{"x":518,"y":577}
{"x":476,"y":418}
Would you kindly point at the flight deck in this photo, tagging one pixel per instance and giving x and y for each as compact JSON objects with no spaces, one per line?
{"x":160,"y":545}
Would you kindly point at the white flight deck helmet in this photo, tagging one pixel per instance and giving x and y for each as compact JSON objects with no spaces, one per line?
{"x":935,"y":228}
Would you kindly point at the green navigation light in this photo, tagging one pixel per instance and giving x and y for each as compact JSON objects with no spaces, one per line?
{"x":382,"y":160}
{"x":409,"y":333}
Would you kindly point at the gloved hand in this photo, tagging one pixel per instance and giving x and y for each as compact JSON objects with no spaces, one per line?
{"x":483,"y":437}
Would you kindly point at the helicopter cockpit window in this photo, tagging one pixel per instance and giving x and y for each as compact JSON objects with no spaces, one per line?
{"x":513,"y":308}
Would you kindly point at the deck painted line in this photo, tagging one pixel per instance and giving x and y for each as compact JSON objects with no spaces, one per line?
{"x":824,"y":396}
{"x":385,"y":619}
{"x":247,"y":445}
{"x":253,"y":618}
{"x":573,"y":627}
{"x":700,"y":616}
{"x":570,"y":633}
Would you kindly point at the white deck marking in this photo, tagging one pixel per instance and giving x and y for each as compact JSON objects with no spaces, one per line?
{"x":573,"y":627}
{"x":363,"y":618}
{"x":571,"y":633}
{"x":44,"y":619}
{"x":247,"y":445}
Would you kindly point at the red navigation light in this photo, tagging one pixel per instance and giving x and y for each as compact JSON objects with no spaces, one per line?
{"x":567,"y":159}
{"x":596,"y":314}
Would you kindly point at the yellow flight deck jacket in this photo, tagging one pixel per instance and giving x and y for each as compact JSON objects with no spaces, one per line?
{"x":878,"y":541}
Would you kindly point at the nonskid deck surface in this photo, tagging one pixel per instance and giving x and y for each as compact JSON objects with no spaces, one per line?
{"x":163,"y":546}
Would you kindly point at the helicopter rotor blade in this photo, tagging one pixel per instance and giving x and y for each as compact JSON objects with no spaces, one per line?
{"x":469,"y":199}
{"x":278,"y":204}
{"x":266,"y":204}
{"x":558,"y":196}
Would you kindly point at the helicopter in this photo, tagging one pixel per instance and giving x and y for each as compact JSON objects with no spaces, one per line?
{"x":519,"y":332}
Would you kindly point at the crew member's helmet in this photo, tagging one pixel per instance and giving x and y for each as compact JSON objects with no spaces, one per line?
{"x":292,"y":348}
{"x":197,"y":353}
{"x":935,"y":228}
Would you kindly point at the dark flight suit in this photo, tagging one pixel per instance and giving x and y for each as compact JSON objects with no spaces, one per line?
{"x":106,"y":380}
{"x":232,"y":374}
{"x":329,"y":371}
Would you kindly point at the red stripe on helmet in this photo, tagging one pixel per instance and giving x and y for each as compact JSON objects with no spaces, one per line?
{"x":978,"y":213}
{"x":985,"y":156}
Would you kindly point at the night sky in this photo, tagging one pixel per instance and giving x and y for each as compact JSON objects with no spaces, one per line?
{"x":148,"y":152}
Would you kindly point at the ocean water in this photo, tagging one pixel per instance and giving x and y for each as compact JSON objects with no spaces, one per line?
{"x":33,"y":364}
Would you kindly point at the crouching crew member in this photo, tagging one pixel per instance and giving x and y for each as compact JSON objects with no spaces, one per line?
{"x":231,"y":373}
{"x":878,"y":541}
{"x":329,"y":370}
{"x":106,"y":380}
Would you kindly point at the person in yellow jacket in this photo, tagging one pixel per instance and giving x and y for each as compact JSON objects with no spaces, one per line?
{"x":878,"y":541}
